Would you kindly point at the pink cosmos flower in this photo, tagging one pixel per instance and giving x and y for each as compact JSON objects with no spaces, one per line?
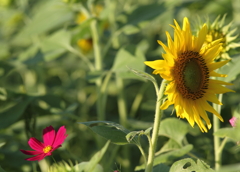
{"x":233,"y":121}
{"x":51,"y":141}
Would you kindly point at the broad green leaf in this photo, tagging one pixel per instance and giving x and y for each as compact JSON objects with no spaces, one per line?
{"x":145,"y":13}
{"x":130,"y":29}
{"x":92,"y":164}
{"x":92,"y":76}
{"x":232,"y":69}
{"x":81,"y":166}
{"x":232,"y":133}
{"x":169,"y":146}
{"x":37,"y":58}
{"x":50,"y":15}
{"x":189,"y":165}
{"x":109,"y":130}
{"x":12,"y":114}
{"x":229,"y":168}
{"x":56,"y":44}
{"x":129,"y":56}
{"x":169,"y":156}
{"x":174,"y":129}
{"x":161,"y":168}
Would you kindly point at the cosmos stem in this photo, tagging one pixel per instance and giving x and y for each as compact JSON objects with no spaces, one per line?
{"x":156,"y":126}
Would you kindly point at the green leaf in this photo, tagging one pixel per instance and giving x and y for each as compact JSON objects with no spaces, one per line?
{"x":169,"y":146}
{"x":92,"y":164}
{"x":56,"y":44}
{"x":130,"y":29}
{"x":174,"y":128}
{"x":232,"y":133}
{"x":109,"y":130}
{"x":169,"y":156}
{"x":143,"y":75}
{"x":232,"y":69}
{"x":161,"y":167}
{"x":129,"y":56}
{"x":12,"y":114}
{"x":81,"y":166}
{"x":189,"y":165}
{"x":145,"y":13}
{"x":92,"y":76}
{"x":50,"y":15}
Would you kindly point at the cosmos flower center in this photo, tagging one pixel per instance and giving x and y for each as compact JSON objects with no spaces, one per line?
{"x":191,"y":75}
{"x":47,"y":149}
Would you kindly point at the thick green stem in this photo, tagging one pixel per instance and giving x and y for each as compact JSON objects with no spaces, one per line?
{"x":98,"y":67}
{"x":122,"y":107}
{"x":216,"y":126}
{"x":156,"y":126}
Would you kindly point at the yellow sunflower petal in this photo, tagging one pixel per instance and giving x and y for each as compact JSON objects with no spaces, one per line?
{"x":166,"y":104}
{"x":212,"y":98}
{"x":215,"y":74}
{"x":209,"y":108}
{"x":213,"y":81}
{"x":213,"y":66}
{"x":201,"y":38}
{"x":157,"y":64}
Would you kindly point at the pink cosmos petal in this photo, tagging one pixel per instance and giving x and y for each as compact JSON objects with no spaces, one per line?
{"x":56,"y":148}
{"x":233,"y":121}
{"x":30,"y":152}
{"x":36,"y":158}
{"x":60,"y":137}
{"x":48,"y":136}
{"x":36,"y":144}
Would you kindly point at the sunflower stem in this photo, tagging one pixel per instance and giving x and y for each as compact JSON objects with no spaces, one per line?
{"x":156,"y":126}
{"x":216,"y":126}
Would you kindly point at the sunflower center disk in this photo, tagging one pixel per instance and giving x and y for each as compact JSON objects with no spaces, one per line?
{"x":191,"y":75}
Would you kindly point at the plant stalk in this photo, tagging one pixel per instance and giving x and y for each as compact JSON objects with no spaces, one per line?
{"x":156,"y":126}
{"x":217,"y":143}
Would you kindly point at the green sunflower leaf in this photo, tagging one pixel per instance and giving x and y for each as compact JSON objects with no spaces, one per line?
{"x":189,"y":165}
{"x":169,"y":156}
{"x":173,"y":128}
{"x":110,"y":131}
{"x":143,"y":75}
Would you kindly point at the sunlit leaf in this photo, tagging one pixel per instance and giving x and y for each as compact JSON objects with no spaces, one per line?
{"x":169,"y":156}
{"x":129,"y":56}
{"x":189,"y":165}
{"x":92,"y":164}
{"x":174,"y":129}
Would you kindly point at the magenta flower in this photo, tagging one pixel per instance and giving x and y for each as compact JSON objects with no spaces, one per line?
{"x":233,"y":121}
{"x":51,"y":141}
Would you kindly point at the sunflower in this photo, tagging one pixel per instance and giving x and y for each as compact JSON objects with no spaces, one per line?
{"x":217,"y":30}
{"x":187,"y":66}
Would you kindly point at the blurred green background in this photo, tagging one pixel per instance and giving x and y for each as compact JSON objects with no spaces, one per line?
{"x":49,"y":75}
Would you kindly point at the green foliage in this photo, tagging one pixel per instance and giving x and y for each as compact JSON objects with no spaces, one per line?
{"x":110,"y":131}
{"x":46,"y":78}
{"x":189,"y":165}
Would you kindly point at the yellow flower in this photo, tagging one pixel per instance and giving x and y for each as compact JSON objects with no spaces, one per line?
{"x":216,"y":31}
{"x":81,"y":17}
{"x":85,"y":45}
{"x":187,"y":66}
